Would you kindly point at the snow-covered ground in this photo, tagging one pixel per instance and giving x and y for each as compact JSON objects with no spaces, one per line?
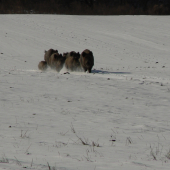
{"x":116,"y":118}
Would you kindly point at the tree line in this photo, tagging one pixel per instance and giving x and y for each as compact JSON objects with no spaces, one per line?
{"x":86,"y":7}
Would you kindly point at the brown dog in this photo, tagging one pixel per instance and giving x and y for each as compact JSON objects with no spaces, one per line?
{"x":72,"y":62}
{"x":56,"y":61}
{"x":42,"y":65}
{"x":87,"y":60}
{"x":48,"y":54}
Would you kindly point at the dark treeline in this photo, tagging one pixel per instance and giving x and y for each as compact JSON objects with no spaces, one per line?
{"x":86,"y":7}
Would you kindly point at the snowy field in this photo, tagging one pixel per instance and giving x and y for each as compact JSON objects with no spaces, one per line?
{"x":115,"y":118}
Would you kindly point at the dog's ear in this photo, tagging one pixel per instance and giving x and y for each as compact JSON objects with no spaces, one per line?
{"x":45,"y":51}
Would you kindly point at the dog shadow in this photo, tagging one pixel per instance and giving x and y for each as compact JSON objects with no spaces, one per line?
{"x":108,"y":72}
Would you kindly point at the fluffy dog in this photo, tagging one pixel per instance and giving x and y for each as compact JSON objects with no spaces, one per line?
{"x":72,"y":62}
{"x":56,"y":61}
{"x":42,"y":65}
{"x":87,"y":60}
{"x":48,"y":54}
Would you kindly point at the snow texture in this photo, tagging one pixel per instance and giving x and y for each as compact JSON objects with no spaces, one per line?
{"x":115,"y":118}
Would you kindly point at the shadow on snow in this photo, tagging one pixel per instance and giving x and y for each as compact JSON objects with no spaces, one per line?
{"x":108,"y":72}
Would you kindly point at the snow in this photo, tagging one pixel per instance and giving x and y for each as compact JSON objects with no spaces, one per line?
{"x":120,"y":111}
